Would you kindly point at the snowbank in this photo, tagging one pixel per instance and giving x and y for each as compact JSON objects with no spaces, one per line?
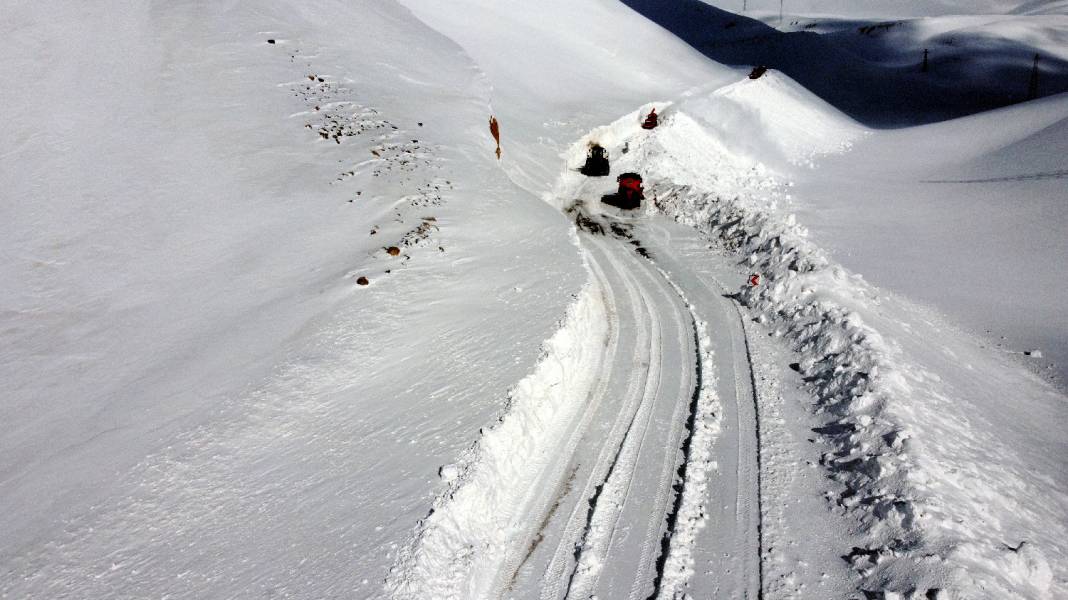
{"x":919,"y":461}
{"x":486,"y":513}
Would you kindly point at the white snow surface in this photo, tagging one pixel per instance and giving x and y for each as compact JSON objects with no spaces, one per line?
{"x":920,"y":481}
{"x":466,"y":540}
{"x":201,"y":397}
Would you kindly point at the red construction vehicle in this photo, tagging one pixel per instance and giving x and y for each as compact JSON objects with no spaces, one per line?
{"x":630,"y":194}
{"x":650,"y":120}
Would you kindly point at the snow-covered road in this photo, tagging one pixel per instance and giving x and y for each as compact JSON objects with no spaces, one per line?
{"x":618,"y":452}
{"x":733,"y":541}
{"x":602,"y":534}
{"x":634,"y":495}
{"x":618,"y":508}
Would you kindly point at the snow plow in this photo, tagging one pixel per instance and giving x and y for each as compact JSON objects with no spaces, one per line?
{"x":630,"y":193}
{"x":596,"y":162}
{"x":651,"y":120}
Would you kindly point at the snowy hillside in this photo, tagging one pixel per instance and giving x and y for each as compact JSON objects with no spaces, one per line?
{"x":277,"y":322}
{"x":872,"y":68}
{"x":894,"y":8}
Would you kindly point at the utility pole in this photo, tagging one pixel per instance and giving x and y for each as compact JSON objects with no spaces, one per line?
{"x":1032,"y":86}
{"x":923,"y":69}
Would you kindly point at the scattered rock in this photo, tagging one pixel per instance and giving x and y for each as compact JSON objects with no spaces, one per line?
{"x":362,"y":281}
{"x":393,"y":250}
{"x":270,"y":41}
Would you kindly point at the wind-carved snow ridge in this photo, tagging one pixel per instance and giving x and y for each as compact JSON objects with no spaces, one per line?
{"x":463,"y":546}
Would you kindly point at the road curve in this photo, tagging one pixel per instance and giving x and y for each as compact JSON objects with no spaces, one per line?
{"x":605,"y":529}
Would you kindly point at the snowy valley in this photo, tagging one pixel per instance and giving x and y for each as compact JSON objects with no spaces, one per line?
{"x":278,"y":322}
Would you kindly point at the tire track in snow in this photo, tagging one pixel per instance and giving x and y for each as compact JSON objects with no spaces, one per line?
{"x":735,"y":542}
{"x":632,"y":471}
{"x":555,"y":572}
{"x":666,"y":542}
{"x":677,"y":524}
{"x":659,"y":515}
{"x":606,"y":503}
{"x":663,"y":498}
{"x":675,"y":564}
{"x":604,"y":548}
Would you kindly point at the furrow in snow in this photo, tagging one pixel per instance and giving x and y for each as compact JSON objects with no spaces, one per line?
{"x":608,"y":497}
{"x":555,"y":578}
{"x":689,"y":515}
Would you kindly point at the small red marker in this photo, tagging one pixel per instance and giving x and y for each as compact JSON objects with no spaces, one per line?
{"x":754,"y":279}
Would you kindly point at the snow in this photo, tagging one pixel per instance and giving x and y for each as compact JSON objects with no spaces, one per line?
{"x":465,"y":539}
{"x":183,"y":336}
{"x":679,"y":566}
{"x":870,"y":364}
{"x":991,"y":183}
{"x":201,"y":398}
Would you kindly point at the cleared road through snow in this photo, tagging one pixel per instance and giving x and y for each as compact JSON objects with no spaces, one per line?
{"x":609,"y":526}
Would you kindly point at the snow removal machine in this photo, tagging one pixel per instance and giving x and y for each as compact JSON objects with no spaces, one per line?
{"x":596,"y":162}
{"x":651,"y":120}
{"x":630,"y":194}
